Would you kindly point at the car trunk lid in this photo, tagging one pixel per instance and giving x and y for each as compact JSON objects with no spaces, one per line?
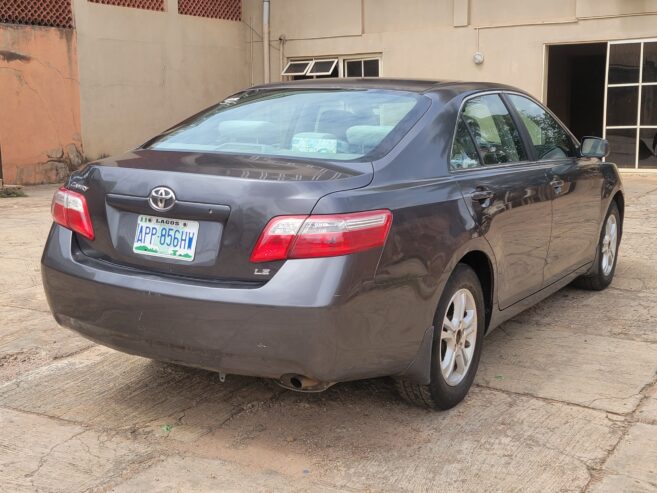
{"x":231,"y":197}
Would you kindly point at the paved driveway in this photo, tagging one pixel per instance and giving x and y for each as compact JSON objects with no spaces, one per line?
{"x":565,"y":400}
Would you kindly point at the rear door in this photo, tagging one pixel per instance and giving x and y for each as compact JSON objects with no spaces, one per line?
{"x":508,"y":195}
{"x":576,"y":188}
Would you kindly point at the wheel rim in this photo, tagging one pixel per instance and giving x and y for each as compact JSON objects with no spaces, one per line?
{"x":458,"y":337}
{"x":609,"y":244}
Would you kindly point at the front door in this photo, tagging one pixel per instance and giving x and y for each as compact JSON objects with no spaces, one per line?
{"x":576,"y":190}
{"x":508,"y":195}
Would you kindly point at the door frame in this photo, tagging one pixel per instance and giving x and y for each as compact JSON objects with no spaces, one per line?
{"x":545,"y":82}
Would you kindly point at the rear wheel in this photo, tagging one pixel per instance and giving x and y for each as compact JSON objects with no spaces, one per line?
{"x":604,"y":266}
{"x":458,"y":335}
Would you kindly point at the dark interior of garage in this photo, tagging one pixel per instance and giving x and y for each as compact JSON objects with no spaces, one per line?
{"x":576,"y":82}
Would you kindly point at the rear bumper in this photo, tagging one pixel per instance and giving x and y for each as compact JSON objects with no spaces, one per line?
{"x":315,"y":317}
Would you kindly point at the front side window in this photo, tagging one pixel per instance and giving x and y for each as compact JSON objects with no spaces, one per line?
{"x":327,"y":124}
{"x":492,"y":128}
{"x":548,"y":137}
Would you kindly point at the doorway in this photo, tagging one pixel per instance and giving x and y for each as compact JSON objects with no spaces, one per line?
{"x":576,"y":86}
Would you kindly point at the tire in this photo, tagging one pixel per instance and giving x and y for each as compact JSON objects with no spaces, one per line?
{"x":603,"y":269}
{"x":446,"y":389}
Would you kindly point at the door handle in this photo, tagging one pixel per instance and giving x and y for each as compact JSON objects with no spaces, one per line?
{"x":481,"y":195}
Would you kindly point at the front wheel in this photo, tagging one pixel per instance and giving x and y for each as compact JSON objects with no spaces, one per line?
{"x":459,"y":326}
{"x":604,"y":266}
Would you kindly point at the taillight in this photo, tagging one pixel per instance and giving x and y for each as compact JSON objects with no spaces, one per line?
{"x":289,"y":237}
{"x":70,"y":210}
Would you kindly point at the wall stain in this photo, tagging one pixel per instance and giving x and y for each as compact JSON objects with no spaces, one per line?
{"x":13,"y":56}
{"x":39,"y":77}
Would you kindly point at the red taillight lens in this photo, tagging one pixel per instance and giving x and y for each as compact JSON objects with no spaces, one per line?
{"x":70,"y":210}
{"x":322,"y":235}
{"x":275,"y":240}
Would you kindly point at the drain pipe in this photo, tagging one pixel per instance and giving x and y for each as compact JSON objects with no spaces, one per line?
{"x":281,"y":53}
{"x":265,"y":40}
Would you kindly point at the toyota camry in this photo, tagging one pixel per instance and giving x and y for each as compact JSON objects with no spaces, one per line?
{"x":322,"y":231}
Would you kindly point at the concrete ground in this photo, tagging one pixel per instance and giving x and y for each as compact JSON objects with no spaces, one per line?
{"x":565,"y":400}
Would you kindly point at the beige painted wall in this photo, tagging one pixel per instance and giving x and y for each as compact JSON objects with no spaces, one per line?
{"x":142,"y":71}
{"x":39,"y":104}
{"x":418,"y":39}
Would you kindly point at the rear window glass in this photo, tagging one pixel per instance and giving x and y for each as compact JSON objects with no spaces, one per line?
{"x":328,"y":124}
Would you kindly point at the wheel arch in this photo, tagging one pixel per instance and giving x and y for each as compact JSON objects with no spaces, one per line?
{"x":619,"y":198}
{"x":481,"y":263}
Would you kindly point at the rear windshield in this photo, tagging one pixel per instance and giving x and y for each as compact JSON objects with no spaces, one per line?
{"x":327,"y":124}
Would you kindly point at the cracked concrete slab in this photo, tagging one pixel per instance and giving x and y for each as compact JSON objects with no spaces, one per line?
{"x":636,"y":274}
{"x":197,"y":475}
{"x":621,"y":484}
{"x":566,"y":400}
{"x":32,"y":298}
{"x":647,"y":411}
{"x":31,"y":338}
{"x":636,"y":455}
{"x":597,"y":313}
{"x":41,"y":454}
{"x":104,"y":388}
{"x":566,"y":365}
{"x":358,"y":436}
{"x":18,"y":273}
{"x":32,"y":329}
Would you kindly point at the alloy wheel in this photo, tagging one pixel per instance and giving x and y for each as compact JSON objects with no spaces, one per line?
{"x":458,"y":337}
{"x":609,"y":244}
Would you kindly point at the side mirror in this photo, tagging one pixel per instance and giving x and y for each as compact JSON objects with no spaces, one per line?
{"x":594,"y":147}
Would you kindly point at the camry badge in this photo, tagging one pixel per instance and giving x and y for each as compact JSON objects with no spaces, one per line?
{"x":162,"y":199}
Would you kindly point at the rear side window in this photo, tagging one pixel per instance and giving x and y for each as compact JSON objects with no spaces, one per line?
{"x":549,"y":139}
{"x":464,"y":153}
{"x":491,"y":126}
{"x":329,"y":124}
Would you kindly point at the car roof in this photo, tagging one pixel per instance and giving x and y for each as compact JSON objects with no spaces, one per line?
{"x":420,"y":86}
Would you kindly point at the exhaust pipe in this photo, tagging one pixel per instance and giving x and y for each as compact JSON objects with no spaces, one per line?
{"x":301,"y":383}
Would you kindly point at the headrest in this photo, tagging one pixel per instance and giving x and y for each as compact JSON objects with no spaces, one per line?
{"x":367,"y":136}
{"x":261,"y":132}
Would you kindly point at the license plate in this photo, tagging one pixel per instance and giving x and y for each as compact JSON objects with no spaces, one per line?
{"x":164,"y":237}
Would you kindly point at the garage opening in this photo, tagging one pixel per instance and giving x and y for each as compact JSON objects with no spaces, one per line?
{"x":576,"y":86}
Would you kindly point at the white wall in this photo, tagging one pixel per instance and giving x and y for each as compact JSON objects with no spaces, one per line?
{"x":423,"y":38}
{"x":142,"y":71}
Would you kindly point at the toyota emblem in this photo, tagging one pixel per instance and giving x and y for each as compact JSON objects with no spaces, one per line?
{"x":162,"y":199}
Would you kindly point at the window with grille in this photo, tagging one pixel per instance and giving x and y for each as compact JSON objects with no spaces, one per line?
{"x":309,"y":69}
{"x":135,"y":4}
{"x":630,"y":120}
{"x":362,"y":67}
{"x":53,"y":13}
{"x":317,"y":68}
{"x":230,"y":10}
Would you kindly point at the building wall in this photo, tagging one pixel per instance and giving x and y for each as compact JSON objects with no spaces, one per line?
{"x":437,"y":38}
{"x":39,"y":104}
{"x":142,"y":71}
